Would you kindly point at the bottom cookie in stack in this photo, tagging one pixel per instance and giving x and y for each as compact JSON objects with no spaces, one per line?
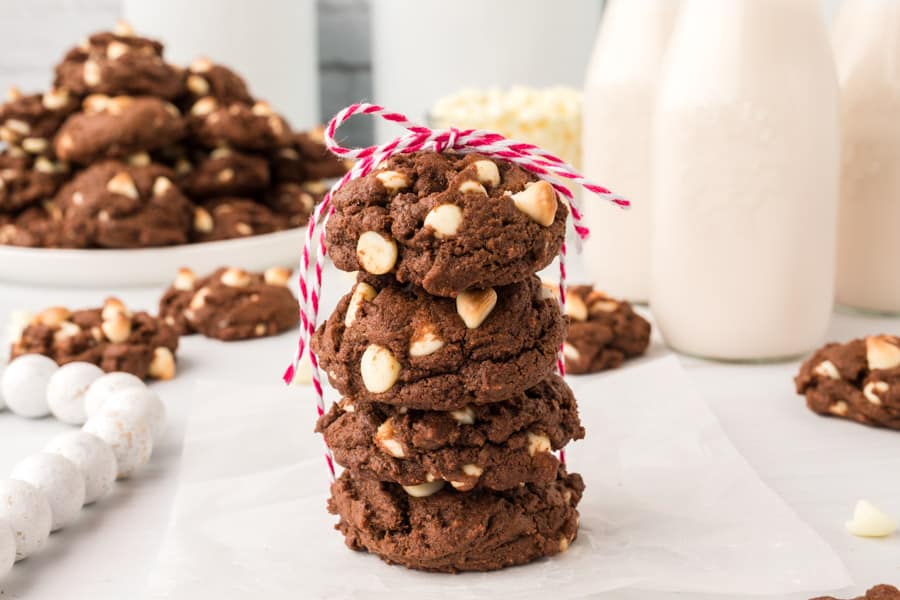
{"x":452,"y":531}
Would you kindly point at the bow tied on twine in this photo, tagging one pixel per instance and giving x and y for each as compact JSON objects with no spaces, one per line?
{"x":416,"y":139}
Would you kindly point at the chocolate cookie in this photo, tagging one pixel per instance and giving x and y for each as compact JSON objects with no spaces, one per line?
{"x":119,"y":63}
{"x":306,"y":159}
{"x":451,"y":531}
{"x":447,"y":222}
{"x":230,"y":304}
{"x":230,"y":218}
{"x":118,"y":126}
{"x":114,"y":205}
{"x":602,"y":332}
{"x":39,"y":226}
{"x":398,"y":345}
{"x":31,"y":121}
{"x":879,"y":592}
{"x":25,"y":180}
{"x":111,"y":337}
{"x":206,"y":78}
{"x":496,"y":446}
{"x":859,"y":380}
{"x":224,"y":172}
{"x":295,"y":202}
{"x":255,"y":127}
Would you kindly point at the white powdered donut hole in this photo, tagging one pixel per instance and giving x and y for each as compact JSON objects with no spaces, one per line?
{"x":93,"y":458}
{"x":27,"y":511}
{"x":24,"y":385}
{"x":103,"y":388}
{"x":143,"y":403}
{"x":60,"y":481}
{"x":67,"y":388}
{"x":128,"y":434}
{"x":7,"y":548}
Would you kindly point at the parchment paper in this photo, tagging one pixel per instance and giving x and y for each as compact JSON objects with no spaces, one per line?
{"x":670,"y":506}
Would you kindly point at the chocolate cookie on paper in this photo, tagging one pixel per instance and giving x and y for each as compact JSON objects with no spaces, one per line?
{"x":114,"y":127}
{"x":398,"y":345}
{"x":230,"y":304}
{"x":30,"y":121}
{"x":602,"y":332}
{"x":447,"y":222}
{"x":111,"y":337}
{"x":26,"y":180}
{"x":256,"y":128}
{"x":436,"y":528}
{"x":859,"y":380}
{"x":232,"y":217}
{"x":225,"y":172}
{"x":496,"y":446}
{"x":119,"y":62}
{"x":114,"y":205}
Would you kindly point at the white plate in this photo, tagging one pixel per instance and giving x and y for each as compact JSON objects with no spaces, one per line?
{"x":146,"y":266}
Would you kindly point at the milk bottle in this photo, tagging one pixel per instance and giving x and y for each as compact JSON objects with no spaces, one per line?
{"x":745,"y":180}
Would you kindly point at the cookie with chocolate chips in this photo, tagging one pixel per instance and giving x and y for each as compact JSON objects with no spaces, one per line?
{"x":111,"y":337}
{"x":398,"y":345}
{"x":232,"y":217}
{"x":237,"y":125}
{"x":447,"y":222}
{"x":30,"y":121}
{"x":206,"y":78}
{"x":602,"y":332}
{"x":224,"y":172}
{"x":26,"y":180}
{"x":295,"y":202}
{"x":433,"y":527}
{"x":39,"y":226}
{"x":113,"y":127}
{"x":306,"y":159}
{"x":115,"y":205}
{"x":495,"y":446}
{"x":859,"y":380}
{"x":230,"y":304}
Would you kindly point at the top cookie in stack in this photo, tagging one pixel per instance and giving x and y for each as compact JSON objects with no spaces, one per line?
{"x":127,"y":150}
{"x":445,"y":353}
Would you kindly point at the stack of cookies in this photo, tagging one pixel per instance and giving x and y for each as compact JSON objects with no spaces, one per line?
{"x":127,"y":150}
{"x":444,"y":353}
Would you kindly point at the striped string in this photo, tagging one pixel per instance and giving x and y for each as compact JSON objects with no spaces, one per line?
{"x":418,"y":138}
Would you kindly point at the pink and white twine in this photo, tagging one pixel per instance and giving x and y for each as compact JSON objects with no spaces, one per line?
{"x":417,"y":138}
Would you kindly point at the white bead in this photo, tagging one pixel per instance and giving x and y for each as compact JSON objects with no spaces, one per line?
{"x":7,"y":548}
{"x":143,"y":403}
{"x":60,"y":481}
{"x":27,"y":511}
{"x":105,"y":387}
{"x":93,"y":458}
{"x":24,"y":385}
{"x":128,"y":435}
{"x":67,"y":388}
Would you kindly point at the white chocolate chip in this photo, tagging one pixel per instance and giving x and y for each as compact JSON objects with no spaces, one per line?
{"x":571,"y":352}
{"x":172,"y":109}
{"x":225,"y":175}
{"x":602,"y":306}
{"x":487,"y":172}
{"x":162,"y":365}
{"x":277,"y":276}
{"x":203,"y":221}
{"x":474,"y":306}
{"x":91,"y":73}
{"x":425,"y":342}
{"x":122,"y":184}
{"x":183,"y":166}
{"x":839,"y":408}
{"x":472,"y":187}
{"x":243,"y":229}
{"x":201,"y":65}
{"x":55,"y":99}
{"x":221,"y":152}
{"x":115,"y":50}
{"x":236,"y":278}
{"x":113,"y":307}
{"x":53,"y":316}
{"x":95,"y":103}
{"x":123,"y":29}
{"x":464,"y":416}
{"x":17,"y":126}
{"x":423,"y":490}
{"x":549,"y":290}
{"x":13,"y":93}
{"x":826,"y":368}
{"x":872,"y":389}
{"x":538,"y":442}
{"x":392,"y":181}
{"x":34,"y":145}
{"x":260,"y":329}
{"x":198,"y":301}
{"x":184,"y":280}
{"x":472,"y":470}
{"x":67,"y":329}
{"x":204,"y":106}
{"x":161,"y":186}
{"x":363,"y":292}
{"x":563,"y":543}
{"x":139,"y":159}
{"x":538,"y":201}
{"x":576,"y":308}
{"x":444,"y":219}
{"x":379,"y":369}
{"x":384,"y":437}
{"x":377,"y":254}
{"x":117,"y":105}
{"x":117,"y":329}
{"x":261,"y":109}
{"x":882,"y":352}
{"x":869,"y":521}
{"x":197,"y":85}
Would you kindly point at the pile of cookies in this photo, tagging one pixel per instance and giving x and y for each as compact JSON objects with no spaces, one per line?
{"x":444,"y":353}
{"x":127,"y":150}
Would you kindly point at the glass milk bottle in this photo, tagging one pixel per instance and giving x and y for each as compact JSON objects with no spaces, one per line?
{"x":745,"y":181}
{"x":619,"y":94}
{"x":867,"y":45}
